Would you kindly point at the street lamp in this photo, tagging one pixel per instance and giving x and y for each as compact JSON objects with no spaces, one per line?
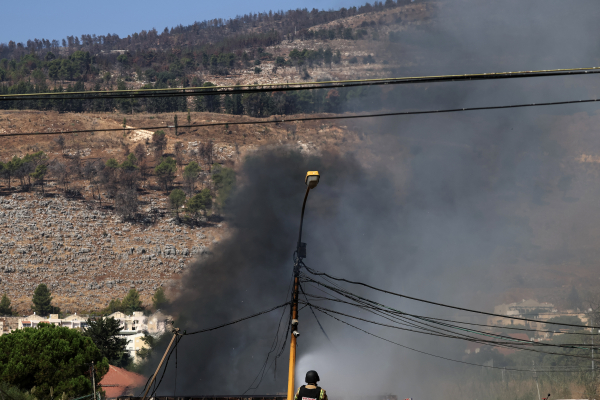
{"x":311,"y":181}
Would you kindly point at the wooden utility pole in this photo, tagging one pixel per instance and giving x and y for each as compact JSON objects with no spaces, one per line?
{"x":175,"y":333}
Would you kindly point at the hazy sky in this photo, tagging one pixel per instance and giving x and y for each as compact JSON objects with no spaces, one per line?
{"x":29,"y":19}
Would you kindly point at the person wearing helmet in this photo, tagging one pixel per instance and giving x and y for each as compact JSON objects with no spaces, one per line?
{"x":311,"y":391}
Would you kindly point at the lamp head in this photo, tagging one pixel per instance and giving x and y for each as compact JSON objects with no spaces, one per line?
{"x":312,"y":179}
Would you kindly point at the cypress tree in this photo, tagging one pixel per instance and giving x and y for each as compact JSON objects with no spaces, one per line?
{"x":5,"y":308}
{"x":42,"y":301}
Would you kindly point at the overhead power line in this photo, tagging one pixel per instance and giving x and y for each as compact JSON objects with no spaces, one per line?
{"x":271,"y":87}
{"x":518,"y":344}
{"x":238,"y":320}
{"x":314,"y":272}
{"x":441,"y":357}
{"x":423,"y":325}
{"x":433,"y":319}
{"x":445,"y":330}
{"x":322,"y":118}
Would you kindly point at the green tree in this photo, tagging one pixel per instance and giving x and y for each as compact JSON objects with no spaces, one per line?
{"x":10,"y":169}
{"x":42,"y":301}
{"x":131,"y":302}
{"x":280,"y":62}
{"x":130,"y":163}
{"x":165,"y":171}
{"x":104,"y":332}
{"x":208,"y":103}
{"x":176,"y":200}
{"x":5,"y":307}
{"x":328,"y":57}
{"x":39,"y":174}
{"x":337,"y":57}
{"x":13,"y":392}
{"x":200,"y":202}
{"x":112,"y":163}
{"x":51,"y":359}
{"x":224,"y":179}
{"x":190,"y":176}
{"x":159,"y":299}
{"x":113,"y":306}
{"x":145,"y":352}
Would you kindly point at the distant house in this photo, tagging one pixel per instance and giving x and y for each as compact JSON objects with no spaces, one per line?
{"x":135,"y":326}
{"x":528,"y":309}
{"x":506,"y":350}
{"x":72,"y":321}
{"x":120,"y":382}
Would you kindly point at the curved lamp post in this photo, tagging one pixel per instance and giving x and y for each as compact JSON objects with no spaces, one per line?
{"x":311,"y":181}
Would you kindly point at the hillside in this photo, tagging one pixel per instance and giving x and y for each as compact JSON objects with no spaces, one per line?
{"x":80,"y":245}
{"x":330,"y":45}
{"x":115,"y":248}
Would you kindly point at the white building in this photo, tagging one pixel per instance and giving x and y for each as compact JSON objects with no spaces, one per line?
{"x":135,"y":326}
{"x":72,"y":321}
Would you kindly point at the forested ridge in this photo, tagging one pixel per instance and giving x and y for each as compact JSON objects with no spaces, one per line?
{"x":181,"y":56}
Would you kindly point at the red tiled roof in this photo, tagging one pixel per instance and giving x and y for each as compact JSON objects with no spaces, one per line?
{"x":118,"y":380}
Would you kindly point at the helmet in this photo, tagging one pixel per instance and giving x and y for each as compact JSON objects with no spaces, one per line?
{"x":312,"y":377}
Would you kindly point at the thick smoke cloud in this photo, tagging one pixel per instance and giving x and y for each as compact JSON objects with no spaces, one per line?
{"x":252,"y":269}
{"x":456,"y":208}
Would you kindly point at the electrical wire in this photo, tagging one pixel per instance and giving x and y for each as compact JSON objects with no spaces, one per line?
{"x":270,"y":87}
{"x":437,"y":356}
{"x":273,"y":347}
{"x":512,"y":342}
{"x":322,"y":118}
{"x":508,"y":327}
{"x":177,"y":340}
{"x":470,"y":339}
{"x":314,"y":272}
{"x":237,"y":320}
{"x":426,"y":328}
{"x":313,"y":313}
{"x":180,"y":336}
{"x":420,"y":325}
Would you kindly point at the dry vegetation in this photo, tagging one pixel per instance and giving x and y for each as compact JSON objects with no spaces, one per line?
{"x":79,"y":245}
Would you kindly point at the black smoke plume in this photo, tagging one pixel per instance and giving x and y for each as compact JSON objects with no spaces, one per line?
{"x":457,"y":208}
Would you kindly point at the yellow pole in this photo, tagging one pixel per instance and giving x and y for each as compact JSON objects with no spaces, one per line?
{"x":292,"y":370}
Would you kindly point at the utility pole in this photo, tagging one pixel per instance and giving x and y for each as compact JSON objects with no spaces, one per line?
{"x":295,"y":334}
{"x":175,"y":333}
{"x":593,"y":372}
{"x":175,"y":119}
{"x":311,"y":180}
{"x":536,"y":381}
{"x":94,"y":379}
